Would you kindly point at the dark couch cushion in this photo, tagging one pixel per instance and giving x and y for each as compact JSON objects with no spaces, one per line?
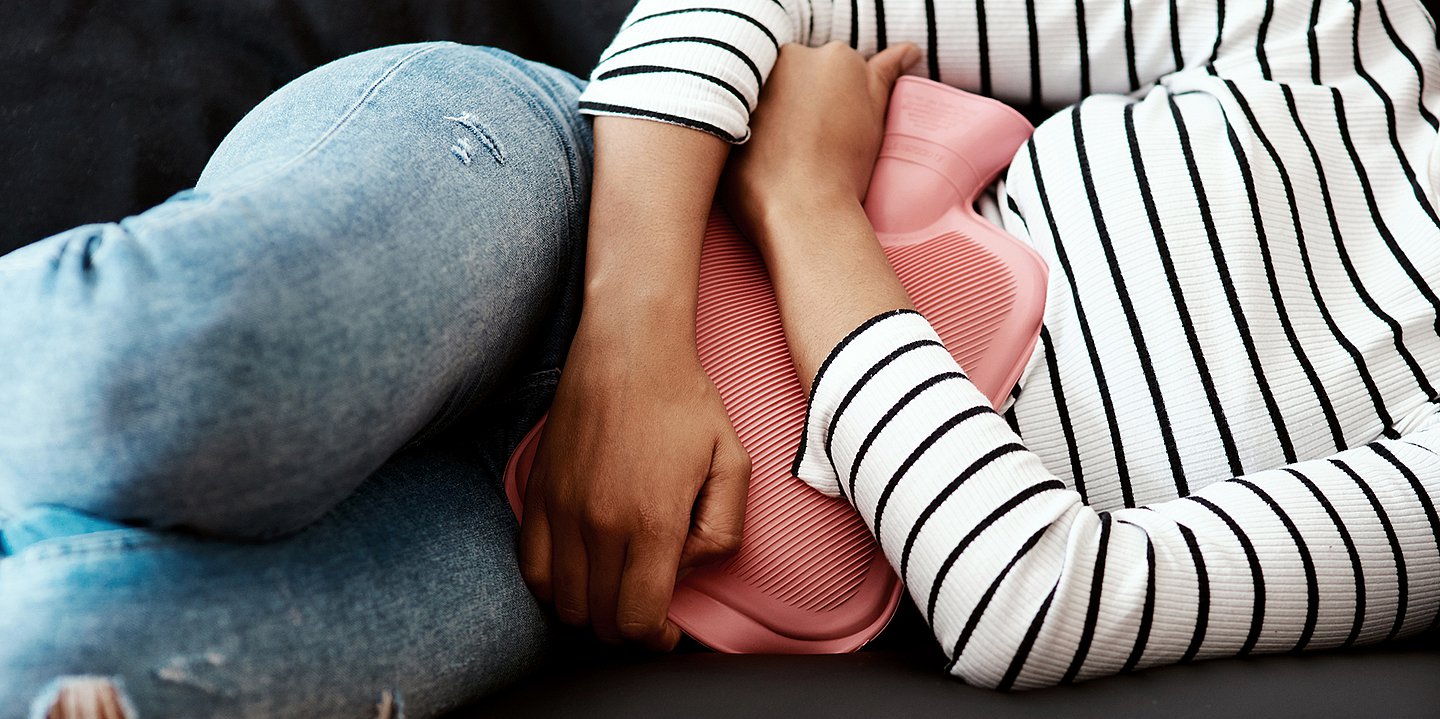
{"x":1397,"y":681}
{"x":110,"y":106}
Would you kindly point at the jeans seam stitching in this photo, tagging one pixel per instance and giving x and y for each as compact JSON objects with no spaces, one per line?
{"x":344,"y":120}
{"x":572,"y":172}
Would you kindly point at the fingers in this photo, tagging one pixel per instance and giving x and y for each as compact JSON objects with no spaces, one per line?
{"x":719,"y":516}
{"x":889,"y":65}
{"x":570,"y":574}
{"x":535,"y":548}
{"x":645,"y":592}
{"x":606,"y":555}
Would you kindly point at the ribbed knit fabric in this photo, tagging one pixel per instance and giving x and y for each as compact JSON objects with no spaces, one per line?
{"x":1226,"y":440}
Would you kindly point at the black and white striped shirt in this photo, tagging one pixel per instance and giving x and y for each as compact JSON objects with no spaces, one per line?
{"x":1226,"y":440}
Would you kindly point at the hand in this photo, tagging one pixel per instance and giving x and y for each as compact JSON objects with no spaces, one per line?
{"x":637,"y":439}
{"x":797,"y":188}
{"x":814,"y":134}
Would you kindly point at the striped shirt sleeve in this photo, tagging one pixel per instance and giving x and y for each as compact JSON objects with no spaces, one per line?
{"x":1025,"y":585}
{"x":701,"y":63}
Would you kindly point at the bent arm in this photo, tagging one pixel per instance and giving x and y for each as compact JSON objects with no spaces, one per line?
{"x":701,"y":63}
{"x":1023,"y":584}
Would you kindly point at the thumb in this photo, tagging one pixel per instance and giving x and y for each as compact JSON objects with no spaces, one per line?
{"x":889,"y":65}
{"x":718,"y":520}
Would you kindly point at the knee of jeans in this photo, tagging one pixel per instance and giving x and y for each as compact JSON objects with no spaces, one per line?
{"x":136,"y":401}
{"x":494,"y":79}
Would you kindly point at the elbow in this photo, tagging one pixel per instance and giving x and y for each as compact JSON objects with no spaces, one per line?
{"x":1006,"y":667}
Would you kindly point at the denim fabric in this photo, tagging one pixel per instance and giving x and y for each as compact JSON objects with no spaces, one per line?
{"x":250,"y":440}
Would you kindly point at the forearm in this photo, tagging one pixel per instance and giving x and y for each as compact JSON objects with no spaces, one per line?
{"x":638,"y":472}
{"x":653,"y":188}
{"x":829,"y":275}
{"x":1025,"y":585}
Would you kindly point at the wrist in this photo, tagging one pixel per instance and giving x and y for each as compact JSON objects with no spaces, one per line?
{"x":815,"y":230}
{"x":659,"y":323}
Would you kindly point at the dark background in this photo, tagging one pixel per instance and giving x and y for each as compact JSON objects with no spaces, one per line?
{"x":107,"y":107}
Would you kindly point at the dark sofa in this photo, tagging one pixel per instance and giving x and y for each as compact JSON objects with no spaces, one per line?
{"x":109,"y":106}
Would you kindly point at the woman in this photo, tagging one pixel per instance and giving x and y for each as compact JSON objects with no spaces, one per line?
{"x":1239,"y":223}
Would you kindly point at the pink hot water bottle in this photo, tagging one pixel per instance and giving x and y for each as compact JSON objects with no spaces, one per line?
{"x":809,"y":577}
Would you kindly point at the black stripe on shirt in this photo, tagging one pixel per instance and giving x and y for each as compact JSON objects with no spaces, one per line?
{"x":1227,"y":283}
{"x":1067,"y":427}
{"x":820,"y":373}
{"x":1415,"y":485}
{"x":1257,"y":612}
{"x":1327,"y":408}
{"x":880,"y":426}
{"x":1202,"y":594}
{"x":855,"y":391}
{"x":1092,"y":612}
{"x":1147,"y":611}
{"x":1389,"y":238}
{"x":737,"y":52}
{"x":881,"y":40}
{"x":983,"y":38}
{"x":1356,"y":568}
{"x":1312,"y":584}
{"x":1402,"y":579}
{"x":1391,"y":124}
{"x":984,"y":601}
{"x":1409,"y":55}
{"x":1027,"y":643}
{"x":1261,"y":35}
{"x":932,"y":41}
{"x":1324,"y":184}
{"x":653,"y":69}
{"x":915,"y":456}
{"x":1107,"y":402}
{"x":1295,"y":217}
{"x":1147,"y":364}
{"x":1313,"y":40}
{"x":1207,"y":381}
{"x":1176,"y":51}
{"x":1035,"y":95}
{"x":935,"y":502}
{"x":975,"y":533}
{"x":663,"y":117}
{"x":720,"y":10}
{"x":1129,"y":14}
{"x":1219,"y":32}
{"x":1082,"y":34}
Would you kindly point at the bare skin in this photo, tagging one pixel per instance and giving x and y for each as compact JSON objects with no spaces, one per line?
{"x":639,"y":474}
{"x":798,"y":188}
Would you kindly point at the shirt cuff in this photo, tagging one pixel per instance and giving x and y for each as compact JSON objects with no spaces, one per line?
{"x":843,"y":369}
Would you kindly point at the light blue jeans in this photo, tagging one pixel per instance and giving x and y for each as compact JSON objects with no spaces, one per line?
{"x":251,"y":440}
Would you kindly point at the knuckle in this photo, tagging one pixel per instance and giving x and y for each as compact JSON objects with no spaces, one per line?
{"x":535,"y":577}
{"x":638,"y":628}
{"x":728,"y":544}
{"x":603,"y":524}
{"x":653,"y":524}
{"x":717,"y":545}
{"x":743,"y":464}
